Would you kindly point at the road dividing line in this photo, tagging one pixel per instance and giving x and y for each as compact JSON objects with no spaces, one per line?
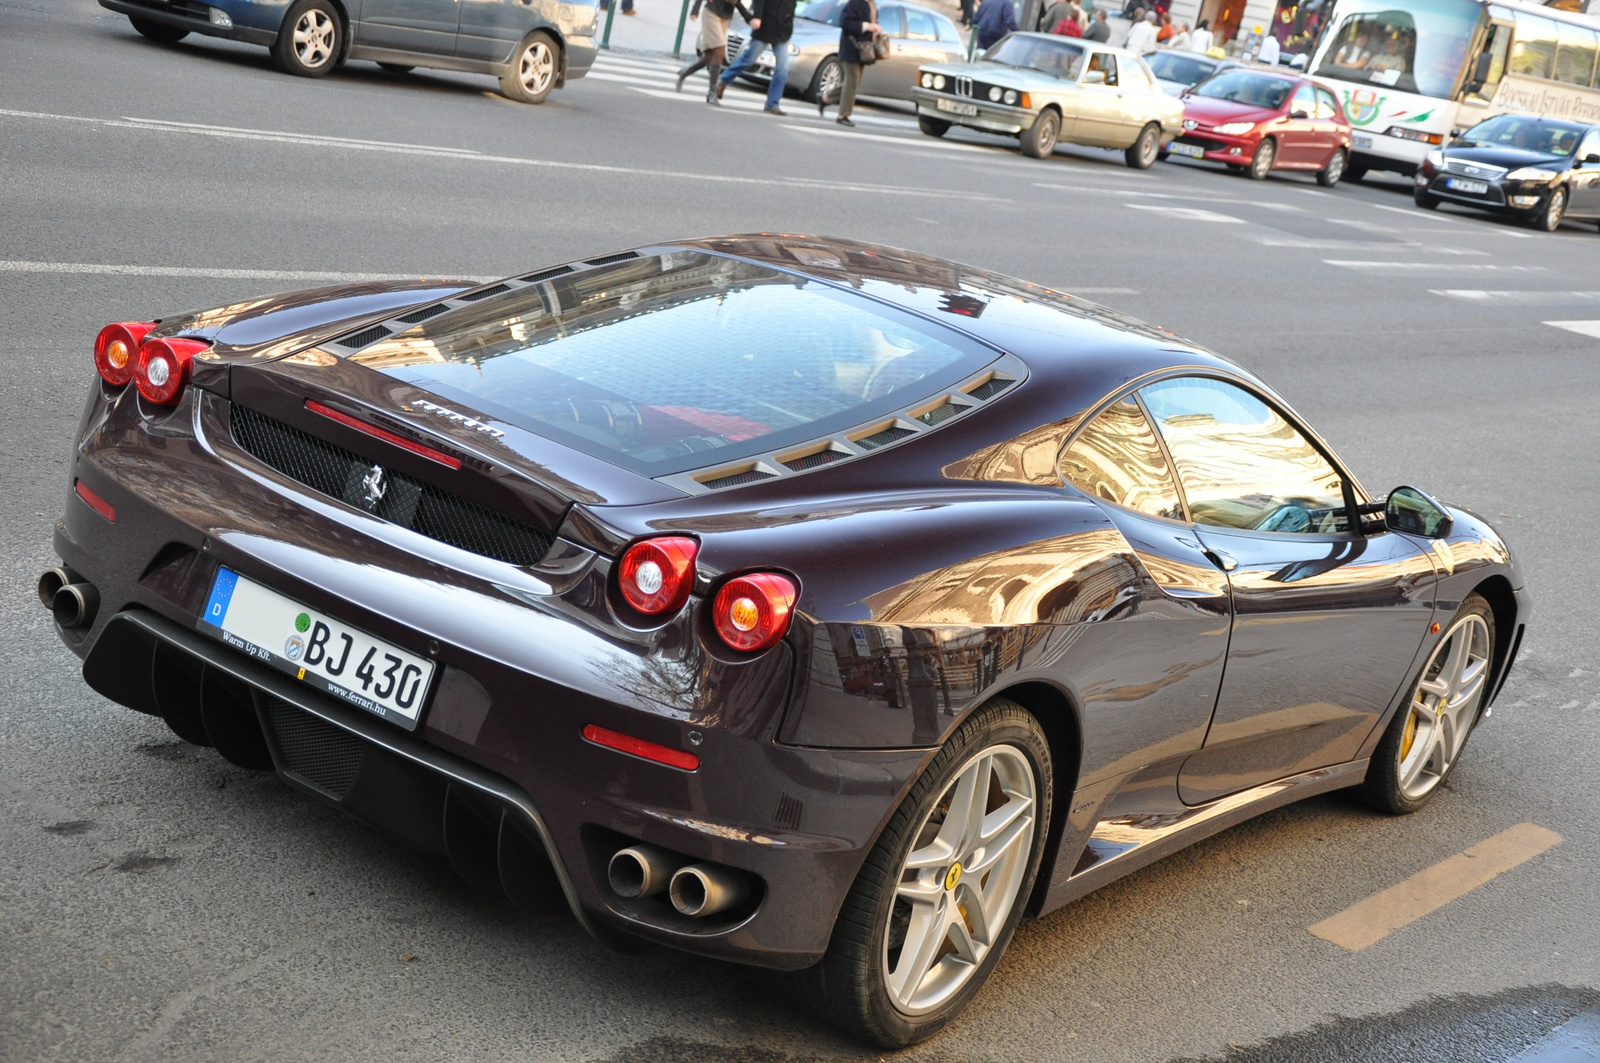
{"x":1446,"y":219}
{"x":1370,"y":921}
{"x":1582,"y":328}
{"x":1190,"y":213}
{"x":1375,"y":266}
{"x":1531,"y":298}
{"x":21,"y":266}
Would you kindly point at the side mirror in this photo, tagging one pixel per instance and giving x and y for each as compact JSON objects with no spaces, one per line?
{"x":1095,"y":77}
{"x":1593,"y":156}
{"x":1300,"y":116}
{"x":1409,"y":510}
{"x":1480,"y":73}
{"x":1456,"y":133}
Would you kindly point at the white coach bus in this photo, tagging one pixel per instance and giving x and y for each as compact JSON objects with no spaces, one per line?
{"x":1410,"y":71}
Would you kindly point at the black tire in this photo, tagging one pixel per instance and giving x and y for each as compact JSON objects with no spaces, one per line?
{"x":826,"y":82}
{"x":396,"y":69}
{"x":850,"y":986}
{"x":1425,"y":200}
{"x":534,"y":68}
{"x":1261,"y":162}
{"x":1039,"y":140}
{"x":1555,"y":208}
{"x":1142,"y":154}
{"x":1382,"y":789}
{"x":157,"y":31}
{"x":1330,"y":174}
{"x":1355,"y":172}
{"x":311,"y":41}
{"x":933,"y":127}
{"x":1235,"y":167}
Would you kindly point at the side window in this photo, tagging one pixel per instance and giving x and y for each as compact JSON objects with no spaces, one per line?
{"x":919,"y":25}
{"x":893,"y":23}
{"x":1133,"y":77}
{"x":1241,"y":463}
{"x":1483,"y":79}
{"x":1534,"y":51}
{"x":1575,"y":56}
{"x":1106,"y":63}
{"x":1305,"y":100}
{"x":947,"y":29}
{"x":1590,"y":145}
{"x":1327,"y":106}
{"x":1117,"y":458}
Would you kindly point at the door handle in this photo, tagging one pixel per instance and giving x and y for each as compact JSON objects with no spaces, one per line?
{"x":1226,"y":562}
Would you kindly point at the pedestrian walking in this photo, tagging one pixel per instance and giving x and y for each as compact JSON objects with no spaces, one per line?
{"x":627,"y":6}
{"x":1200,"y":39}
{"x":996,"y":18}
{"x":859,"y":34}
{"x":1099,"y":30}
{"x":966,"y":12}
{"x":713,"y":42}
{"x":1166,"y":30}
{"x":1142,"y":38}
{"x":771,"y":26}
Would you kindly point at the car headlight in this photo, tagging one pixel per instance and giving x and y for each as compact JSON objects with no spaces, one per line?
{"x":1234,"y":129}
{"x":926,"y":81}
{"x":1436,"y":159}
{"x":1532,"y":173}
{"x":1011,"y":96}
{"x":994,"y":94}
{"x":938,"y":81}
{"x":794,"y":49}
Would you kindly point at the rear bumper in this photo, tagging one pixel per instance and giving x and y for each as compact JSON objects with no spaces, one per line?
{"x":190,"y":15}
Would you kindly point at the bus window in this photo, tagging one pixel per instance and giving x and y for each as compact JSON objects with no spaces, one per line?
{"x":1534,"y":51}
{"x":1420,"y":48}
{"x":1575,"y":55}
{"x":1490,"y":65}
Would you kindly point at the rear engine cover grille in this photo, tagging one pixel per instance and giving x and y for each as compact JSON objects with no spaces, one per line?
{"x":811,"y":461}
{"x":364,"y":337}
{"x":884,"y":438}
{"x":410,"y":503}
{"x":993,"y":386}
{"x":424,"y":314}
{"x":485,"y":293}
{"x":939,"y":414}
{"x":320,"y":753}
{"x":735,"y":479}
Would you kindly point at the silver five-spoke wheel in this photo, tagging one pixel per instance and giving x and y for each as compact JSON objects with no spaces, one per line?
{"x":959,"y":881}
{"x":314,"y":35}
{"x":311,"y":41}
{"x":1444,"y":706}
{"x":534,"y":67}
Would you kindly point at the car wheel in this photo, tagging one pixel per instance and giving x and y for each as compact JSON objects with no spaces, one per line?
{"x":826,"y":82}
{"x":311,"y":39}
{"x":934,"y":127}
{"x":396,"y":68}
{"x":1039,"y":141}
{"x":1330,"y":174}
{"x":1142,"y":155}
{"x":1353,"y":172}
{"x":942,"y":891}
{"x":1424,"y":741}
{"x":156,"y":31}
{"x":532,"y":74}
{"x":1549,"y":219}
{"x":1261,"y":162}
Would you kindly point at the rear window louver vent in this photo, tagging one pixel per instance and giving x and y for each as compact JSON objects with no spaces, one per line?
{"x":990,"y":388}
{"x":811,"y":461}
{"x":940,"y":413}
{"x":884,"y":438}
{"x":475,"y":296}
{"x":364,"y":337}
{"x":422,"y":507}
{"x":424,"y":314}
{"x":749,"y":476}
{"x":606,"y":260}
{"x":547,"y":274}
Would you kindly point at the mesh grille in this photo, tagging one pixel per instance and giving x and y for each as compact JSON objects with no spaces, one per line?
{"x":424,"y":314}
{"x":939,"y":413}
{"x":547,"y":274}
{"x":811,"y":461}
{"x":620,"y":256}
{"x":422,"y":507}
{"x":749,"y":477}
{"x":318,"y":752}
{"x":885,"y":437}
{"x":366,"y":336}
{"x":989,"y":388}
{"x":475,"y":296}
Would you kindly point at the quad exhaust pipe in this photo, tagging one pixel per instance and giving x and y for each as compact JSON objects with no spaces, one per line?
{"x":72,"y":601}
{"x":641,"y":870}
{"x":695,"y":890}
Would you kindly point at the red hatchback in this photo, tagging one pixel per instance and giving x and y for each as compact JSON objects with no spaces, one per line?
{"x":1258,"y":121}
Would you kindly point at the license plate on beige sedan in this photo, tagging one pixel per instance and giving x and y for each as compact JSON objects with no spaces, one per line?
{"x":957,"y":107}
{"x":317,"y":649}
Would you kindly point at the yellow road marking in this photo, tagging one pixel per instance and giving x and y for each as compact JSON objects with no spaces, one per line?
{"x":1430,"y":889}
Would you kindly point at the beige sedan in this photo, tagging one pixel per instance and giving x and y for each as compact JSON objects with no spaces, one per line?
{"x":1044,"y":89}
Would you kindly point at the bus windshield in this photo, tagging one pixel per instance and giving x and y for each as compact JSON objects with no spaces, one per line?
{"x":1419,"y":48}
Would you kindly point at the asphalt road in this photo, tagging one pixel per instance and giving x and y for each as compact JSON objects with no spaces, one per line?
{"x":156,"y":903}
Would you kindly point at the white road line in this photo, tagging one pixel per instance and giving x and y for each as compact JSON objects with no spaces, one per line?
{"x":758,"y":104}
{"x":917,"y":142}
{"x":1073,"y":289}
{"x":1135,"y":192}
{"x":634,"y":79}
{"x":1430,"y":267}
{"x":1582,"y":328}
{"x":1445,"y":219}
{"x":1527,"y":298}
{"x":467,"y":155}
{"x":1314,"y":244}
{"x":206,"y":272}
{"x":1190,"y":213}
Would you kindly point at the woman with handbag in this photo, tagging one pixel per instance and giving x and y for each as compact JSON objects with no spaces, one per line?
{"x":861,"y":41}
{"x":713,"y":43}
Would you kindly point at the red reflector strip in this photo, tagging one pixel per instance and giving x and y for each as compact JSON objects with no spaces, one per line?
{"x":638,"y":747}
{"x":96,"y":503}
{"x":380,"y":433}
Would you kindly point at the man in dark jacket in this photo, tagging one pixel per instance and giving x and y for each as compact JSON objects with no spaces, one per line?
{"x":771,"y":26}
{"x":996,"y":18}
{"x":1099,"y":30}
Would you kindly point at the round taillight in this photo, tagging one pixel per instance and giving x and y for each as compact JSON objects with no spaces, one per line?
{"x":656,"y":575}
{"x":752,"y":612}
{"x":162,"y":368}
{"x":116,"y":350}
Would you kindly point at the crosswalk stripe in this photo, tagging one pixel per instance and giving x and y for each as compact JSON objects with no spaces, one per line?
{"x":1528,"y":298}
{"x":1189,"y":213}
{"x":1582,"y":328}
{"x":749,"y":102}
{"x":629,"y":79}
{"x":1430,"y":267}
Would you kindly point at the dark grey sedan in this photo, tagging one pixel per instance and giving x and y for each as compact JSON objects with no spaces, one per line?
{"x":532,"y":46}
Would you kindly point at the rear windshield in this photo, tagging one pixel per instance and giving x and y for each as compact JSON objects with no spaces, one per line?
{"x":1243,"y":86}
{"x":673,"y":362}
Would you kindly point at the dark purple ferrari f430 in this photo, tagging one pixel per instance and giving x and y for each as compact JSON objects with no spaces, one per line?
{"x":804,"y":603}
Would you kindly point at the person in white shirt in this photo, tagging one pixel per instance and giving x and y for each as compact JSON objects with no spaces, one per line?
{"x":1200,"y":39}
{"x":1142,"y":38}
{"x":1179,"y":41}
{"x":1269,"y":50}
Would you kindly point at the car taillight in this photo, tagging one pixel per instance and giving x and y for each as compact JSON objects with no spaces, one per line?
{"x":656,"y":575}
{"x":752,"y":612}
{"x":163,"y":366}
{"x":117,"y":348}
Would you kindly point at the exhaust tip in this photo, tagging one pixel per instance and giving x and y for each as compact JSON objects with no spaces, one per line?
{"x":74,"y":605}
{"x":50,"y":581}
{"x":639,"y":871}
{"x":706,"y":889}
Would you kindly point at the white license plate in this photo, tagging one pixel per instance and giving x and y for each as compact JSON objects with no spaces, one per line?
{"x":317,"y":649}
{"x":1357,"y":140}
{"x":1471,"y":188}
{"x":956,"y":107}
{"x":1194,"y":151}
